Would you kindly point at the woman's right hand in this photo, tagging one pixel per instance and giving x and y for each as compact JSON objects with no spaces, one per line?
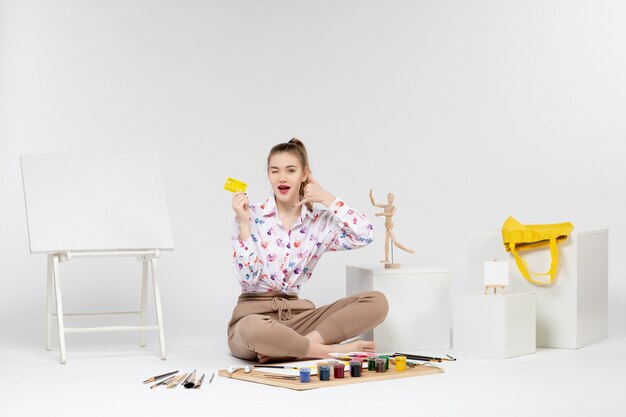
{"x":241,"y":206}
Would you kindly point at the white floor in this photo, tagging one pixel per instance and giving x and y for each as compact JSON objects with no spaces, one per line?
{"x":106,"y":381}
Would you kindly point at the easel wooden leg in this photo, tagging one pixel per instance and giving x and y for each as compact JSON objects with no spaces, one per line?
{"x":49,"y":309}
{"x":144,"y":299}
{"x":57,"y":292}
{"x":157,"y":303}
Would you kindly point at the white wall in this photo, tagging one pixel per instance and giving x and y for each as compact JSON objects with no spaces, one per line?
{"x":467,"y":110}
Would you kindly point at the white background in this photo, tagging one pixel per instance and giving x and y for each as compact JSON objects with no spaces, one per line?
{"x":469,"y":111}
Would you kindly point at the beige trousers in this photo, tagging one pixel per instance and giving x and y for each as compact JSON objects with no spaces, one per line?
{"x":274,"y":325}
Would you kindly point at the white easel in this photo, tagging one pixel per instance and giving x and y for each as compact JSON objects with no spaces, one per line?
{"x":496,"y":276}
{"x":64,"y":212}
{"x":148,"y":257}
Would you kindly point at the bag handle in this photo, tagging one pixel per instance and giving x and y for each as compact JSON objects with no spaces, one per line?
{"x":523,"y":266}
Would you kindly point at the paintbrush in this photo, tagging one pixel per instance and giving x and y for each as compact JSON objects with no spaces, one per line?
{"x":281,"y":376}
{"x":199,"y":383}
{"x":277,"y":366}
{"x":424,"y":358}
{"x":177,"y":381}
{"x":190,"y":381}
{"x":165,"y":381}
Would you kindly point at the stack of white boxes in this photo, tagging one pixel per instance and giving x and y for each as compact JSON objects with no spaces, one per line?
{"x":572,"y":312}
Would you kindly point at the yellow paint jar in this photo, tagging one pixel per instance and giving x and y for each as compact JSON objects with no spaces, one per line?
{"x":400,"y":363}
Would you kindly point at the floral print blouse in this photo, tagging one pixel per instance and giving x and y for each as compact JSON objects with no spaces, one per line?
{"x":276,"y":259}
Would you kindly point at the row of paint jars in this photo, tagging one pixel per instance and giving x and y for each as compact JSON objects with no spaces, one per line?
{"x":378,"y":364}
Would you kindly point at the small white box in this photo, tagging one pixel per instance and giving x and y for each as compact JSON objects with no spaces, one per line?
{"x":572,"y":312}
{"x":419,"y":305}
{"x":494,"y":326}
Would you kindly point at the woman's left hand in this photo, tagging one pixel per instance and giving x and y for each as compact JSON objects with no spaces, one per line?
{"x":314,"y":193}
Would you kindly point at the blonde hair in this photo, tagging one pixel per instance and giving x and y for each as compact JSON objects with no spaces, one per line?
{"x":296,"y":147}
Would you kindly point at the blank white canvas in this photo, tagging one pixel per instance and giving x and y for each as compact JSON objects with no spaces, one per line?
{"x":496,"y":273}
{"x":95,"y":202}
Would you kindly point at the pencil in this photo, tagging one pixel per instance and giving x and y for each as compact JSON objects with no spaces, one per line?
{"x":155,"y":378}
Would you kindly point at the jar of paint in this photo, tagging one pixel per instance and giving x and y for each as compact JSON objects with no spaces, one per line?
{"x":371,"y":363}
{"x":324,"y":373}
{"x":355,"y":368}
{"x":380,"y":365}
{"x":305,"y":374}
{"x":338,"y":370}
{"x":386,"y":358}
{"x":400,"y":363}
{"x":320,"y":364}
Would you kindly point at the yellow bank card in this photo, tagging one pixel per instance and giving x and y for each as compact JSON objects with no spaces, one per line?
{"x":234,"y":185}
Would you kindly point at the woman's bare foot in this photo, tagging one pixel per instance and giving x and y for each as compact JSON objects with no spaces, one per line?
{"x":319,"y":349}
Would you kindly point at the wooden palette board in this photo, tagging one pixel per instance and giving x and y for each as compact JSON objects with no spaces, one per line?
{"x":366,"y":376}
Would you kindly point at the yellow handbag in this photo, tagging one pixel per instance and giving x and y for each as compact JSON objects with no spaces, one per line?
{"x":518,"y":237}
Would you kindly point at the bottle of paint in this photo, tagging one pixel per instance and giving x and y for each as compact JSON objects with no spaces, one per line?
{"x":305,"y":374}
{"x":320,"y":364}
{"x":400,"y":363}
{"x":371,"y":363}
{"x":324,"y":373}
{"x":380,"y":365}
{"x":338,"y":370}
{"x":355,"y":368}
{"x":386,"y":358}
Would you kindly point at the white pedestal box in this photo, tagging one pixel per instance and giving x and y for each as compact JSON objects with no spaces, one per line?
{"x":572,"y":312}
{"x":419,"y":305}
{"x":494,"y":326}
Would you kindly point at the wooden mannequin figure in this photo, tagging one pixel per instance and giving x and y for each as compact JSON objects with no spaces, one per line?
{"x":390,"y":238}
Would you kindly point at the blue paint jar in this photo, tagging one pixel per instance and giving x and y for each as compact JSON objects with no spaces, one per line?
{"x":305,"y":374}
{"x":324,"y":373}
